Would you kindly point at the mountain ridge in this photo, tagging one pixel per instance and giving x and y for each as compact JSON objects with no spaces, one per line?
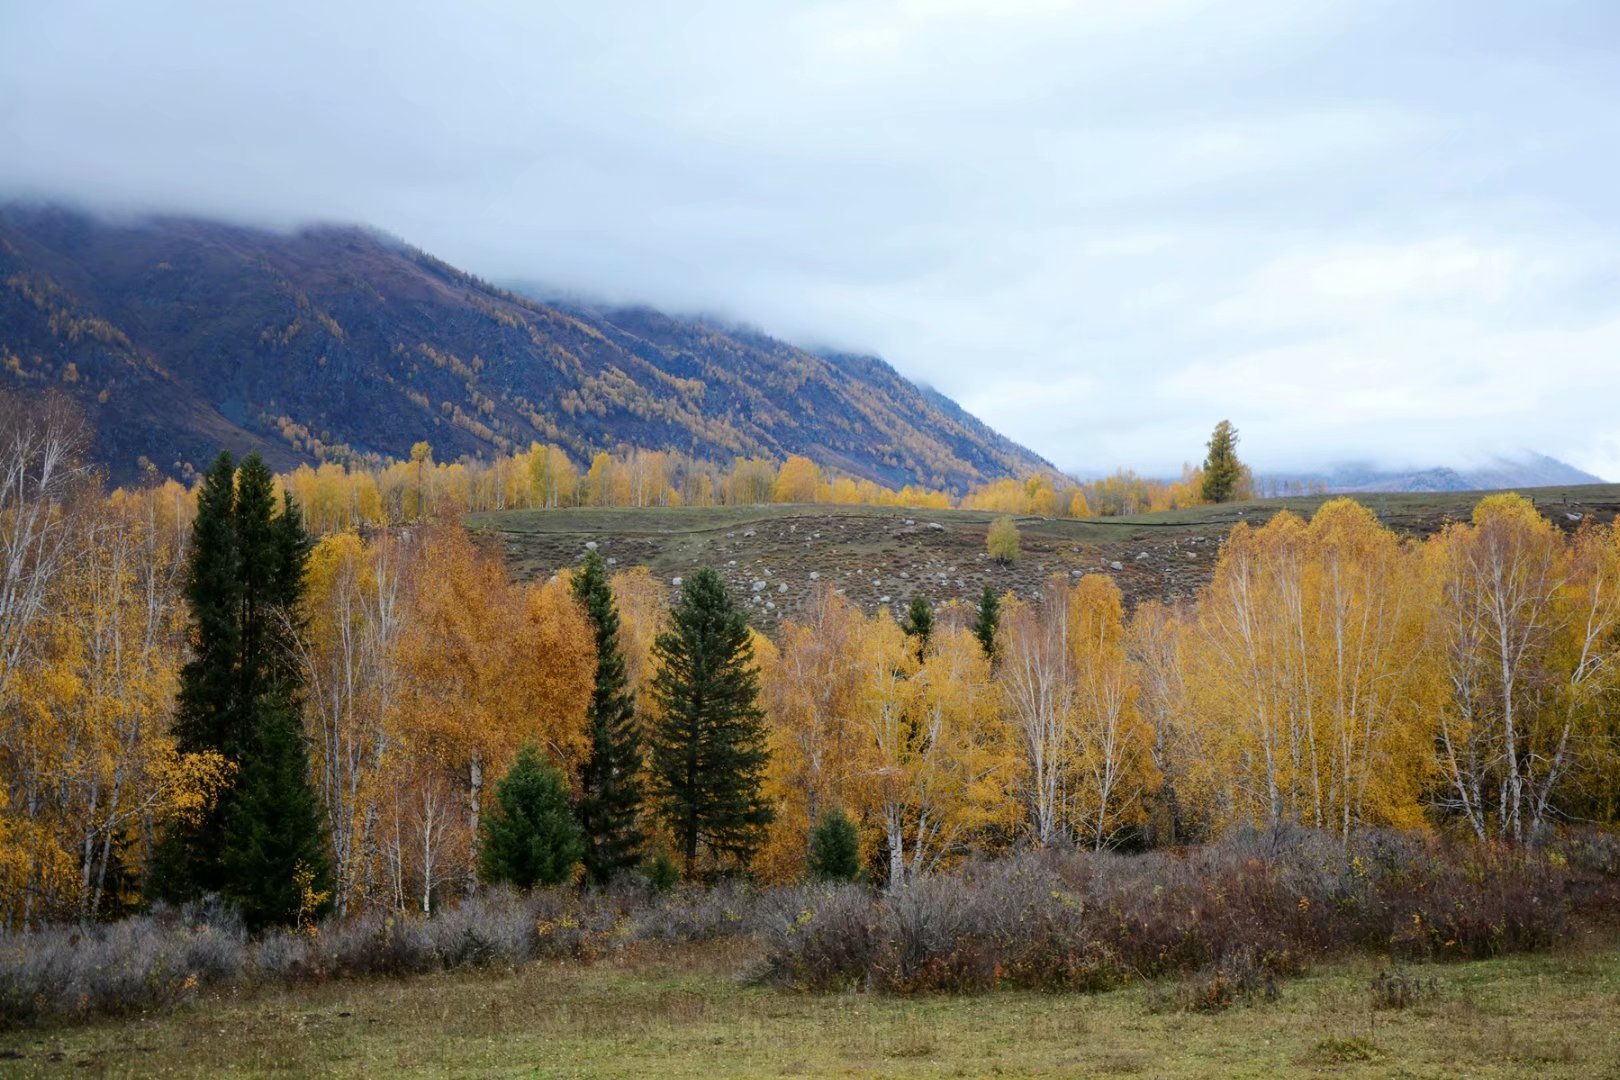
{"x":1525,"y":469}
{"x":180,"y":336}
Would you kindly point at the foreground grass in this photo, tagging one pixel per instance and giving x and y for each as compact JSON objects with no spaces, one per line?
{"x":685,"y":1015}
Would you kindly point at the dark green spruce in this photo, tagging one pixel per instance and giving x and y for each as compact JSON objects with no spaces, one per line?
{"x":530,"y":836}
{"x":708,"y":744}
{"x":918,"y":623}
{"x":986,"y":620}
{"x":835,"y":848}
{"x":239,"y":697}
{"x":610,"y":781}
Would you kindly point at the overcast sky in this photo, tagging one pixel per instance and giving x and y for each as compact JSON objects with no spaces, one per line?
{"x":1361,"y":230}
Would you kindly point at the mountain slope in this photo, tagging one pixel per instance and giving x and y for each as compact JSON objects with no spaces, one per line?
{"x":182,"y":336}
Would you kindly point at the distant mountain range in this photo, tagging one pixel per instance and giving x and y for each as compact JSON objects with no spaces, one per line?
{"x":1525,"y":470}
{"x":182,"y":336}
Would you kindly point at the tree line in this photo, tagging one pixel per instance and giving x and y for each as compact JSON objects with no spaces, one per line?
{"x":197,"y":697}
{"x":335,"y":496}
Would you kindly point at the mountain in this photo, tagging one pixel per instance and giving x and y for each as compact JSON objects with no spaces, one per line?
{"x":1524,"y":470}
{"x":181,"y":336}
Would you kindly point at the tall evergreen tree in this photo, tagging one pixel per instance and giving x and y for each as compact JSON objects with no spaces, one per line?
{"x":530,"y":836}
{"x":239,"y":696}
{"x":207,"y":717}
{"x":1223,"y":472}
{"x":919,"y":623}
{"x":610,"y":781}
{"x":986,"y":621}
{"x":708,"y":744}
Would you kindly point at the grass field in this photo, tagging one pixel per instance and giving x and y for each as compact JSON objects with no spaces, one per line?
{"x":884,"y":555}
{"x":685,"y":1014}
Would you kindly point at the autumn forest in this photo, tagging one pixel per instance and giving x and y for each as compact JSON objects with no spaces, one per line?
{"x":1332,"y":675}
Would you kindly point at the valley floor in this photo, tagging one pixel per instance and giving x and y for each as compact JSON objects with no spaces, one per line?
{"x":686,"y":1015}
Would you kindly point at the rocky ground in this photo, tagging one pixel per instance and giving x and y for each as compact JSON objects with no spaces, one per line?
{"x":774,"y":557}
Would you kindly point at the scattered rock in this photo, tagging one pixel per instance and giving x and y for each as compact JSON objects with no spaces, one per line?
{"x":675,"y":581}
{"x":1573,"y":516}
{"x":612,"y":561}
{"x":814,"y":574}
{"x":1116,"y":565}
{"x":590,"y":545}
{"x":936,"y":526}
{"x":759,"y":586}
{"x":750,"y":532}
{"x":1141,"y":556}
{"x":782,"y":588}
{"x":883,"y":599}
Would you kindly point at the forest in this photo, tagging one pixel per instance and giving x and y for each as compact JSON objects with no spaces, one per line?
{"x":1332,"y":676}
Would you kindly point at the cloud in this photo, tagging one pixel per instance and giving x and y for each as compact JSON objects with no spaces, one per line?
{"x":1347,"y":226}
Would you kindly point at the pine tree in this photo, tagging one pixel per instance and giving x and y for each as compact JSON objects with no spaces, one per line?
{"x":239,"y":696}
{"x":919,"y":622}
{"x":709,"y":742}
{"x":986,"y":621}
{"x":610,"y":781}
{"x":835,"y":848}
{"x":530,"y":836}
{"x":1222,"y":470}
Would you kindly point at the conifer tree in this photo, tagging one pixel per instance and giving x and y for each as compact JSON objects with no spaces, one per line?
{"x":610,"y":781}
{"x":919,"y":622}
{"x":239,"y":697}
{"x":708,"y":745}
{"x":530,"y":836}
{"x":986,"y":621}
{"x":835,"y":848}
{"x":1222,"y":470}
{"x":187,"y":861}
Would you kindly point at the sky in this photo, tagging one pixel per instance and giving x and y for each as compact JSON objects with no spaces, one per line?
{"x":1372,"y":230}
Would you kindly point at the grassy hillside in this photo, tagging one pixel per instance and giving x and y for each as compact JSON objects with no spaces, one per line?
{"x":182,"y":336}
{"x":876,"y":553}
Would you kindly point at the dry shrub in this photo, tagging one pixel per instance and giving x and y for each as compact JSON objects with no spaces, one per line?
{"x":1261,"y":903}
{"x":1226,"y":922}
{"x":1244,"y":978}
{"x":1398,"y":988}
{"x":148,"y":961}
